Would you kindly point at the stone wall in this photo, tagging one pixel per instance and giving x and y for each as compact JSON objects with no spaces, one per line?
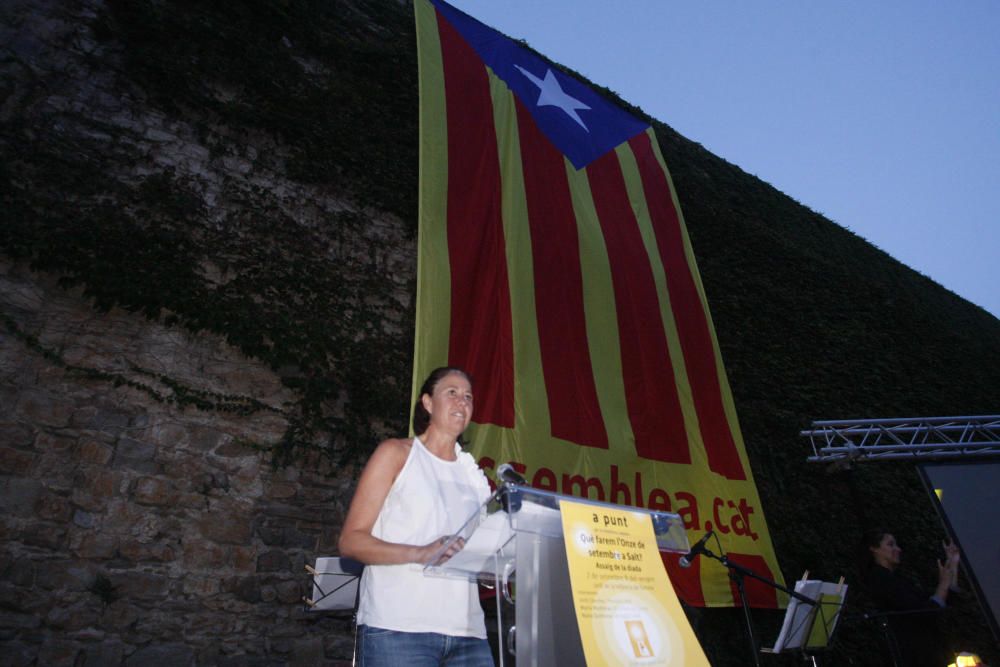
{"x":138,"y":531}
{"x":142,"y":520}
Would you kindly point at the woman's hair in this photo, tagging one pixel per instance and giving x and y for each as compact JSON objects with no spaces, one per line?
{"x":422,"y":418}
{"x":870,"y":539}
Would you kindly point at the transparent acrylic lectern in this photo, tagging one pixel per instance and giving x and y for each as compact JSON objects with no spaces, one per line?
{"x":515,"y":541}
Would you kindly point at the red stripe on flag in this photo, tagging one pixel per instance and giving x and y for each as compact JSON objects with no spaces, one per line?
{"x":562,"y":328}
{"x":759,"y":594}
{"x":690,"y":316}
{"x":686,"y":582}
{"x":653,"y":406}
{"x":481,"y":338}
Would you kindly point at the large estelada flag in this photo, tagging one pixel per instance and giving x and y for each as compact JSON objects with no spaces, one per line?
{"x":555,"y":267}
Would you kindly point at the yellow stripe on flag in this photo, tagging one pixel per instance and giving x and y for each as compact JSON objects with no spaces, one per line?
{"x":529,"y":385}
{"x":430,"y":341}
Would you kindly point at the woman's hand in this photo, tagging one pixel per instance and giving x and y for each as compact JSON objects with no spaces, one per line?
{"x":948,"y":570}
{"x":952,"y":555}
{"x":432,"y":549}
{"x":953,"y":558}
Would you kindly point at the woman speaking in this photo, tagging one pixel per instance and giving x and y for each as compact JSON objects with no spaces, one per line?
{"x":413,"y":494}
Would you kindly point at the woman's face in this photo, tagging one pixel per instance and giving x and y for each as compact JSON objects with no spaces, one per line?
{"x":887,"y":552}
{"x":450,"y":406}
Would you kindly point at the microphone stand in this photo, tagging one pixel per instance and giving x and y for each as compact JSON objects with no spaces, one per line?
{"x":738,"y":573}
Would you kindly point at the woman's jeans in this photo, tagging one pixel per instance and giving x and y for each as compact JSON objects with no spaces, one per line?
{"x":389,"y":648}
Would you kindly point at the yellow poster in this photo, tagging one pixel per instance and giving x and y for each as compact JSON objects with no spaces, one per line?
{"x":627,"y":611}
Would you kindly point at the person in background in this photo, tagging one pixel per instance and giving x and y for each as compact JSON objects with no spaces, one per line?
{"x":911,"y":612}
{"x":413,"y":494}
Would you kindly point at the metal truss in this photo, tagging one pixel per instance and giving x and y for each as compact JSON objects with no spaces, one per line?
{"x":922,"y":438}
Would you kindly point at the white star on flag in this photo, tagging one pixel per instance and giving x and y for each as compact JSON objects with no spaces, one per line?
{"x":550,"y":93}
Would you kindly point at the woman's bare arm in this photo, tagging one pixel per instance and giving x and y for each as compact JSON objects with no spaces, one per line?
{"x":356,"y":539}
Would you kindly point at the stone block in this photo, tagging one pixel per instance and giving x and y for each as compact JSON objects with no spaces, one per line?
{"x":88,"y":634}
{"x":270,"y":530}
{"x":203,"y":555}
{"x":54,"y":443}
{"x":170,"y":435}
{"x":243,"y":559}
{"x":288,"y":512}
{"x":280,"y":532}
{"x":15,"y":461}
{"x":316,"y":495}
{"x":234,"y":449}
{"x":14,"y":434}
{"x":18,"y":653}
{"x":92,"y":451}
{"x":107,"y":653}
{"x":242,"y":659}
{"x":120,"y":615}
{"x":39,"y":407}
{"x":53,"y":507}
{"x":209,"y":656}
{"x":44,"y":536}
{"x":194,"y":501}
{"x":154,"y":491}
{"x":275,"y":560}
{"x":285,"y":630}
{"x":55,"y":468}
{"x":307,"y":652}
{"x":278,"y":645}
{"x":97,"y":546}
{"x":26,"y":600}
{"x":135,"y":455}
{"x":280,"y":490}
{"x":73,"y":617}
{"x":186,"y":471}
{"x":226,"y":522}
{"x":83,"y":519}
{"x":160,"y":136}
{"x":327,"y":541}
{"x":289,"y":474}
{"x":138,"y":552}
{"x":66,"y":575}
{"x":246,"y":589}
{"x":204,"y":438}
{"x":110,"y":421}
{"x":201,"y":587}
{"x":122,"y":515}
{"x":140,"y":585}
{"x":93,"y":487}
{"x":18,"y":571}
{"x":57,"y":652}
{"x":83,"y":416}
{"x":147,"y":526}
{"x":173,"y":654}
{"x":17,"y":620}
{"x":289,"y":591}
{"x":298,"y":560}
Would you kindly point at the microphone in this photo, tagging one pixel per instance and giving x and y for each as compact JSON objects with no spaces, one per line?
{"x":506,"y":473}
{"x":698,"y":548}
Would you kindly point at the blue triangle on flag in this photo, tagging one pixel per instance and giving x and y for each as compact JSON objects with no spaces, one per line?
{"x":578,"y":121}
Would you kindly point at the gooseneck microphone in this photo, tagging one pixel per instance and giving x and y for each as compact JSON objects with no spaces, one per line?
{"x":506,"y":473}
{"x":698,"y":548}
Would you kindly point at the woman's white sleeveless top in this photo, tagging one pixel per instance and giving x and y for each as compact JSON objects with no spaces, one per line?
{"x":430,"y":498}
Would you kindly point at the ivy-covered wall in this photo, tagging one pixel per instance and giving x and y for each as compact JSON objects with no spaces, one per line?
{"x":211,"y":167}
